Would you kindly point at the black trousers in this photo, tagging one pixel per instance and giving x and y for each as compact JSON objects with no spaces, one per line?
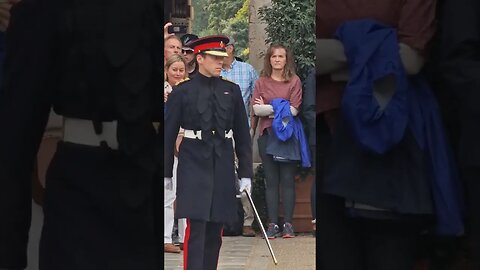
{"x":362,"y":244}
{"x":202,"y":244}
{"x":276,"y":174}
{"x":99,"y":212}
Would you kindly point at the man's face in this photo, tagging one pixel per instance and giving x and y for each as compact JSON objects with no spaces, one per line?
{"x":188,"y":55}
{"x":230,"y":50}
{"x":210,"y":65}
{"x":172,"y":46}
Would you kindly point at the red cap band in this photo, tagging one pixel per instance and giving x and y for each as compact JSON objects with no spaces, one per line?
{"x":210,"y":45}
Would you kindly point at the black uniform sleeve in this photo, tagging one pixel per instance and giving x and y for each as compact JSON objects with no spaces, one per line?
{"x":24,"y":110}
{"x":241,"y":135}
{"x":173,"y":116}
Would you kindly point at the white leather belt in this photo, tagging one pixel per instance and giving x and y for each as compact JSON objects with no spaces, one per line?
{"x":81,"y":131}
{"x":197,"y":134}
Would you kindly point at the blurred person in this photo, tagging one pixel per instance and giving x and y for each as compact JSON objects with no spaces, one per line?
{"x":101,"y":208}
{"x":460,"y":72}
{"x":308,"y":114}
{"x":5,"y":7}
{"x":379,"y":191}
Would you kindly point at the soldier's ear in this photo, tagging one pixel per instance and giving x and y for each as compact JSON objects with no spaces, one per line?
{"x":199,"y":58}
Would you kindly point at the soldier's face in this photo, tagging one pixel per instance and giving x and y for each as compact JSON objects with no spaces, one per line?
{"x":172,"y":46}
{"x":278,"y":60}
{"x":210,"y":65}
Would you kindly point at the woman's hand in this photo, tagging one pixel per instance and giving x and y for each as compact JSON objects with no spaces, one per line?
{"x":165,"y":96}
{"x":177,"y":145}
{"x":259,"y":101}
{"x":166,"y":91}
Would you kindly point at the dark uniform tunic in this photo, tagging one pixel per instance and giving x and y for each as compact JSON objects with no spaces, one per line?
{"x":92,"y":60}
{"x":206,"y":172}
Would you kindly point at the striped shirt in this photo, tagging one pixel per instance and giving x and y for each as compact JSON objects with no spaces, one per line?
{"x":245,"y":76}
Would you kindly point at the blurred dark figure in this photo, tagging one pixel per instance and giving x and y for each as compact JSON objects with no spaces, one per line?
{"x":460,"y":74}
{"x":96,"y":63}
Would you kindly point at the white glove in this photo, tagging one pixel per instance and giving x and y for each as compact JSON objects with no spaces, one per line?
{"x":246,"y":184}
{"x":168,"y":183}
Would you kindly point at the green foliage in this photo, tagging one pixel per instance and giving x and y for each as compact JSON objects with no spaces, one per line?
{"x":200,"y":18}
{"x":258,"y":196}
{"x":238,"y":28}
{"x":214,"y":17}
{"x":292,"y":22}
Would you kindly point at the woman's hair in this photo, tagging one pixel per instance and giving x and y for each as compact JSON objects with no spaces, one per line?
{"x":174,"y":59}
{"x":288,"y":71}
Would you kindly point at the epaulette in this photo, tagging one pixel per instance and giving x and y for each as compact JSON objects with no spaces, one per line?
{"x":225,"y":79}
{"x":181,"y":81}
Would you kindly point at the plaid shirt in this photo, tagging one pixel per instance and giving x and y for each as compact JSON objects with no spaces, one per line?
{"x":245,"y":76}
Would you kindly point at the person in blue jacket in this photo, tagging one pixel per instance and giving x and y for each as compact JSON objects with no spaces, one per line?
{"x":378,"y":192}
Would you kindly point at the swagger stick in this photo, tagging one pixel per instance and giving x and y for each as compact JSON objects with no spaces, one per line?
{"x":261,"y":227}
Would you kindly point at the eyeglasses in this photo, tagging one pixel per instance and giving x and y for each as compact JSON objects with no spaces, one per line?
{"x":187,"y":51}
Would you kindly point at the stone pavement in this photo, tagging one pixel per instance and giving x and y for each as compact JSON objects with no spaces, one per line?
{"x":251,"y":253}
{"x":237,"y":253}
{"x":292,"y":254}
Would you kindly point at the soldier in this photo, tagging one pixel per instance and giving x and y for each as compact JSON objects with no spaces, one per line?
{"x":211,"y":111}
{"x":98,"y":67}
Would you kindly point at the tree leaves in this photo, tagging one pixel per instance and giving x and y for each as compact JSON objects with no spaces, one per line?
{"x":292,"y":22}
{"x":224,"y":17}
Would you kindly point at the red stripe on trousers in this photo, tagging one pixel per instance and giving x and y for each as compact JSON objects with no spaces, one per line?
{"x":185,"y":245}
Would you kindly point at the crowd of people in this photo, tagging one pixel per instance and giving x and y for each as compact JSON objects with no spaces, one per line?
{"x":271,"y":104}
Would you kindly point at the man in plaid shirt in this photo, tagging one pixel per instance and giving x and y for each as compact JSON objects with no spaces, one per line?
{"x":245,"y":76}
{"x":240,"y":73}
